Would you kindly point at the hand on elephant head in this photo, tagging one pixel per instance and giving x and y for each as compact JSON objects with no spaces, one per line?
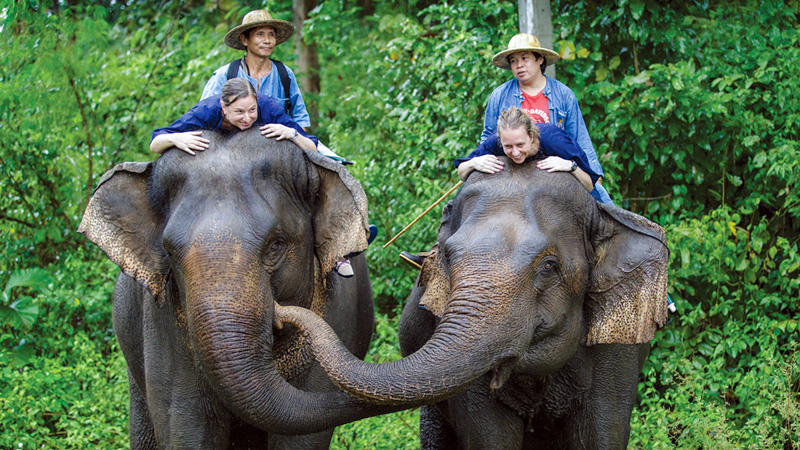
{"x":221,"y":236}
{"x":138,"y":207}
{"x":528,"y":268}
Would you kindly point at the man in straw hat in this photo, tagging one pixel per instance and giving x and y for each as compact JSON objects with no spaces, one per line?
{"x":544,"y":99}
{"x":258,"y":35}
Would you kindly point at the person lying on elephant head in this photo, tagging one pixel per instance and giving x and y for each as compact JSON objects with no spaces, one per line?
{"x":238,"y":108}
{"x":520,"y":139}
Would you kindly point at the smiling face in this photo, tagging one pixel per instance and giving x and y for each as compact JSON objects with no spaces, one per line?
{"x":525,"y":66}
{"x":518,"y":144}
{"x":260,"y":41}
{"x":241,"y":114}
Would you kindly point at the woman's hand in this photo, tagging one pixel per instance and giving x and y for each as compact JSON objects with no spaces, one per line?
{"x":554,"y":164}
{"x":281,"y":132}
{"x":487,"y":164}
{"x":187,"y":141}
{"x":278,"y":131}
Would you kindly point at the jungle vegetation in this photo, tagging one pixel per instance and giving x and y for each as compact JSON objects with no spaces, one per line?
{"x":692,"y":107}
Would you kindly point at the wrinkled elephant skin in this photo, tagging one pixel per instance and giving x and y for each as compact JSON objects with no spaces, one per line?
{"x":529,"y":323}
{"x":207,"y":245}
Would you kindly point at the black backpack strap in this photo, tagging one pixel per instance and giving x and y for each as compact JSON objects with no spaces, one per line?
{"x":284,"y":74}
{"x":233,"y":68}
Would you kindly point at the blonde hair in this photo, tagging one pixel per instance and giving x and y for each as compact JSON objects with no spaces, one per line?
{"x":514,"y":118}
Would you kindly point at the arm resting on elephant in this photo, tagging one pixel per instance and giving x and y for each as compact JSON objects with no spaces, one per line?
{"x":187,"y":141}
{"x":485,"y":163}
{"x":557,"y":164}
{"x":282,"y":132}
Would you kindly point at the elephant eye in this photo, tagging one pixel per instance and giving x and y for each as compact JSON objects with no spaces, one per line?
{"x":277,"y":246}
{"x":548,"y":267}
{"x":274,"y":251}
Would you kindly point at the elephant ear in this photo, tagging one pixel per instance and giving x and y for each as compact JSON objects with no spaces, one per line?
{"x":121,"y":221}
{"x":434,"y":278}
{"x":341,"y":225}
{"x":627,"y":294}
{"x":434,"y":275}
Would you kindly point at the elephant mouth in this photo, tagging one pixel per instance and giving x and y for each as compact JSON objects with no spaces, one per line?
{"x":502,"y":372}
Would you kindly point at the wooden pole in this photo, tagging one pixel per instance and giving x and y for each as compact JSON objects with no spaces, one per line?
{"x":458,"y":185}
{"x":535,"y":19}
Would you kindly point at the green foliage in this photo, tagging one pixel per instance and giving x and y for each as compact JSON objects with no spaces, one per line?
{"x":395,"y":431}
{"x":20,"y":310}
{"x":690,"y":105}
{"x":63,"y":382}
{"x":412,"y":84}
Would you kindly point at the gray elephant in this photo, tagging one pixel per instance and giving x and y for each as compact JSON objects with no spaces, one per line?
{"x":529,"y":323}
{"x":207,"y":244}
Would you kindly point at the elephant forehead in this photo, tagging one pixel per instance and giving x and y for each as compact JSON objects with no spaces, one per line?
{"x":241,"y":170}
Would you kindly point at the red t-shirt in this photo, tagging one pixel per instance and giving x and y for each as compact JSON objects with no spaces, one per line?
{"x":536,"y":106}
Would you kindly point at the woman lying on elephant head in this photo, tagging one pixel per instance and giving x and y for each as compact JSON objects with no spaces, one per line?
{"x":520,"y":139}
{"x":237,"y":108}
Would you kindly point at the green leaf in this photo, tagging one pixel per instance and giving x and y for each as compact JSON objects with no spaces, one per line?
{"x":31,"y":278}
{"x":734,"y":179}
{"x":24,"y":311}
{"x":749,"y":141}
{"x":614,"y":63}
{"x":637,"y":8}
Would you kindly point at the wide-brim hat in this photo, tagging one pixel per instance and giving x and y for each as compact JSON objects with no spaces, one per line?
{"x":523,"y":42}
{"x":255,"y":19}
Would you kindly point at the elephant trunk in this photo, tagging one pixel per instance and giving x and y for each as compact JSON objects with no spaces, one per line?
{"x":230,"y":325}
{"x":466,"y":345}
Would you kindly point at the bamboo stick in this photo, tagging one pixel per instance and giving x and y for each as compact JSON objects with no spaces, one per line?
{"x":460,"y":182}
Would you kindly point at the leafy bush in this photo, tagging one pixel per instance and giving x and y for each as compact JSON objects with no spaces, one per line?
{"x":394,"y":431}
{"x":690,"y":106}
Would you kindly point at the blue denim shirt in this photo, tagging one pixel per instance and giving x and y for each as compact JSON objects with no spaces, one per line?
{"x":207,"y":115}
{"x":564,"y":111}
{"x":270,"y":86}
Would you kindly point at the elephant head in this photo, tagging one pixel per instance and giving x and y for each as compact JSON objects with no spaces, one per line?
{"x":219,"y":238}
{"x":527,"y":268}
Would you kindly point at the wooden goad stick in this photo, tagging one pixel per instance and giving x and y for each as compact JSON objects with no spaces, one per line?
{"x":425,"y":212}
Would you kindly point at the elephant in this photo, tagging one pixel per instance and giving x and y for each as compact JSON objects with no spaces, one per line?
{"x":207,"y":246}
{"x":529,"y":322}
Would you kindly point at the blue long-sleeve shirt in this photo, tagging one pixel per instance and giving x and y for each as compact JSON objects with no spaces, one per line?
{"x":269,"y":86}
{"x":553,"y":141}
{"x":207,"y":115}
{"x":564,"y":112}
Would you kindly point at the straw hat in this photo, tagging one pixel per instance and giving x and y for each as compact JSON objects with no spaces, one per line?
{"x":522,"y":42}
{"x":255,"y":19}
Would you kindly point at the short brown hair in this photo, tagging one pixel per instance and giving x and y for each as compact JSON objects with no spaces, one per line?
{"x":237,"y":88}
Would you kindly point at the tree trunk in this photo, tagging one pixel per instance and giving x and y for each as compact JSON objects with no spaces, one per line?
{"x":307,"y":59}
{"x":367,"y":8}
{"x":534,"y":18}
